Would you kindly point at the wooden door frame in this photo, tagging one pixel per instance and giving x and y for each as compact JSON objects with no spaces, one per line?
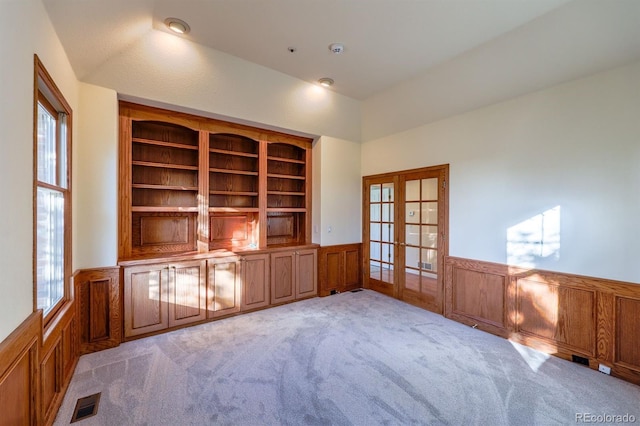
{"x":443,"y":224}
{"x":366,"y":181}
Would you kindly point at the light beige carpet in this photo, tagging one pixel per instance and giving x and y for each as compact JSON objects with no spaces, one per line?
{"x":353,"y":358}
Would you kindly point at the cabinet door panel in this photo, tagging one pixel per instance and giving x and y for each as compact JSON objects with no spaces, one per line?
{"x":255,"y":283}
{"x":306,"y":266}
{"x":282,"y":276}
{"x":188,"y":293}
{"x":145,"y":307}
{"x":224,"y":287}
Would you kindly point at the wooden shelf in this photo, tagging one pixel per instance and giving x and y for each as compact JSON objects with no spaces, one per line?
{"x":234,"y":172}
{"x":269,"y":175}
{"x":300,"y":194}
{"x":286,"y":210}
{"x":194,"y":184}
{"x":169,"y":187}
{"x":236,"y":153}
{"x":249,"y":194}
{"x":163,"y":165}
{"x":286,"y":160}
{"x":234,"y":209}
{"x":153,"y":209}
{"x":162,"y":143}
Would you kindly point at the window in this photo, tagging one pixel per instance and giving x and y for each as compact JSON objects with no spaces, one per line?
{"x":52,"y":195}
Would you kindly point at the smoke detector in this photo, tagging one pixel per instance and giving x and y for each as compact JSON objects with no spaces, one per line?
{"x":336,"y":48}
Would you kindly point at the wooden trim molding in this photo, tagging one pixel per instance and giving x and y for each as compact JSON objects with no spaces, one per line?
{"x":19,"y":371}
{"x":558,"y":313}
{"x":339,"y":268}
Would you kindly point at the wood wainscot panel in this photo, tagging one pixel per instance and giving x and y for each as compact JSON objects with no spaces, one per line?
{"x":285,"y":228}
{"x":59,"y":358}
{"x":627,"y":333}
{"x":98,"y":296}
{"x":158,"y":233}
{"x":556,"y":314}
{"x":280,"y":226}
{"x":352,"y":273}
{"x":50,"y":379}
{"x":333,"y":270}
{"x":19,"y":371}
{"x":605,"y":333}
{"x":339,"y":268}
{"x":479,"y":294}
{"x":229,"y":231}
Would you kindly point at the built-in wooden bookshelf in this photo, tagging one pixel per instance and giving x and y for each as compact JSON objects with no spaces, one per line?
{"x":194,"y":184}
{"x":287,"y":192}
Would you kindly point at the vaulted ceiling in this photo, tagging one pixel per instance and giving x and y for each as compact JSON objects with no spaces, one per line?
{"x":535,"y":43}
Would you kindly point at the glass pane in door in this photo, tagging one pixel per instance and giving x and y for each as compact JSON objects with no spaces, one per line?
{"x":421,"y":235}
{"x":381,"y":232}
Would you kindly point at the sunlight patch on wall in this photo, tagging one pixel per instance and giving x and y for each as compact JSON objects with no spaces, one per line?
{"x":535,"y":239}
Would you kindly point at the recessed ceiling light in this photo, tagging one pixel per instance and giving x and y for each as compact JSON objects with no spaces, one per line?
{"x":336,"y":48}
{"x":326,"y":82}
{"x":178,"y":26}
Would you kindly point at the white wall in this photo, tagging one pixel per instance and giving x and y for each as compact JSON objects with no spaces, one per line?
{"x":576,"y":40}
{"x":168,"y":69}
{"x":28,"y":31}
{"x":574,"y":146}
{"x":337,"y":198}
{"x":95,"y":209}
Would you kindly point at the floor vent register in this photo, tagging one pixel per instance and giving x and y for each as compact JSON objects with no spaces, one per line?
{"x":86,"y":407}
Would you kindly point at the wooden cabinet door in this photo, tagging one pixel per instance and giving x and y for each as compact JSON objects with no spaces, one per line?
{"x":187,"y":292}
{"x":306,"y":273}
{"x":255,"y":281}
{"x":224,"y":286}
{"x":283,"y":280}
{"x":145,"y":299}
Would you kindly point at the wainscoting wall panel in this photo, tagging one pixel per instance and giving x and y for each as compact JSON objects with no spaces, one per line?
{"x":339,"y":268}
{"x":557,"y":313}
{"x":19,"y":370}
{"x":478,"y":296}
{"x":97,"y":294}
{"x":627,"y":333}
{"x":36,"y":367}
{"x":59,"y":358}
